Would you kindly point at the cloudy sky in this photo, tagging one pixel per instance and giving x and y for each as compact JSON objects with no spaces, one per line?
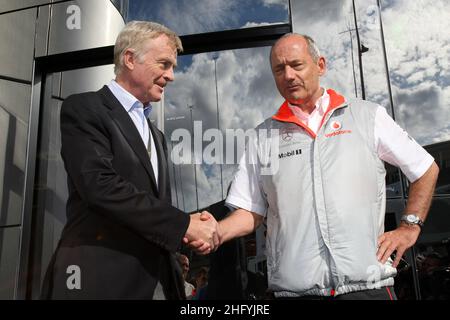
{"x":417,"y":45}
{"x":198,"y":16}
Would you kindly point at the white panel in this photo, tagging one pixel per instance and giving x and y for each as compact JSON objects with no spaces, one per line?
{"x":83,"y":24}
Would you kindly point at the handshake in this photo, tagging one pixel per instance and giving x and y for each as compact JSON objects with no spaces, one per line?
{"x":203,"y":234}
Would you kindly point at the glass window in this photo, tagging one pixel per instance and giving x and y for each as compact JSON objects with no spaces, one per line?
{"x":404,"y":282}
{"x":393,"y":184}
{"x":434,"y":270}
{"x":441,"y":154}
{"x":52,"y":189}
{"x":331,"y":25}
{"x":9,"y":259}
{"x":432,"y":253}
{"x":51,"y":192}
{"x":228,"y":90}
{"x":372,"y":52}
{"x":14,"y":101}
{"x":190,"y":17}
{"x":418,"y":45}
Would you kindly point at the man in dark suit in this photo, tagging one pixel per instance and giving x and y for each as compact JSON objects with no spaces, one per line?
{"x":122,"y":232}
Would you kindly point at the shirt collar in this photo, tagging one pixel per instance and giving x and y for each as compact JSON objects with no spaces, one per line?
{"x":127,"y":100}
{"x":321,"y":106}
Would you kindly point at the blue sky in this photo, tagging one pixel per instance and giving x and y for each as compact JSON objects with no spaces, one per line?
{"x":197,"y":16}
{"x":417,"y":44}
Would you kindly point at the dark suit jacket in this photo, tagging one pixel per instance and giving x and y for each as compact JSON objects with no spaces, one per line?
{"x":121,"y":229}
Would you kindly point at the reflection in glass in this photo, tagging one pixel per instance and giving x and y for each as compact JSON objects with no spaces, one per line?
{"x":122,"y":6}
{"x":418,"y":45}
{"x":441,"y":154}
{"x":190,"y":17}
{"x":9,"y":258}
{"x":331,"y":25}
{"x":246,"y":95}
{"x":393,"y":185}
{"x":404,"y":282}
{"x":434,"y":268}
{"x":51,"y":182}
{"x":432,"y":252}
{"x":14,"y":100}
{"x":51,"y":192}
{"x":374,"y":66}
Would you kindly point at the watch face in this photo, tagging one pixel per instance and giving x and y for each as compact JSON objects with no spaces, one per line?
{"x":411,"y":218}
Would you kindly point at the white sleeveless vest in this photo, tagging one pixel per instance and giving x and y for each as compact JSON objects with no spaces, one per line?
{"x":326,"y":203}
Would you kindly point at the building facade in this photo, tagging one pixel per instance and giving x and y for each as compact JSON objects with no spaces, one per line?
{"x":393,"y":52}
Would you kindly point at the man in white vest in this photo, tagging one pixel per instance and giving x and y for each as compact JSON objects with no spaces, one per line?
{"x":323,"y":194}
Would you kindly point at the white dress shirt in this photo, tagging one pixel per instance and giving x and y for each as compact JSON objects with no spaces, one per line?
{"x":138,"y":114}
{"x":393,"y":145}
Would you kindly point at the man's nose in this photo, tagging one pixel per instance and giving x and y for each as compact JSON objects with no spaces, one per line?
{"x":289,"y":73}
{"x":169,"y":74}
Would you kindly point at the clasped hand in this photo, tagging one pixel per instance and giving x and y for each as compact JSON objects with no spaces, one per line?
{"x":203,"y":233}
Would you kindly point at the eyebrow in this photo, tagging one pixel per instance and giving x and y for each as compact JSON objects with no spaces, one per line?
{"x":172,"y":61}
{"x":296,"y":61}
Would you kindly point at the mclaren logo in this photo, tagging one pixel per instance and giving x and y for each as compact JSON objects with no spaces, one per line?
{"x":291,"y":153}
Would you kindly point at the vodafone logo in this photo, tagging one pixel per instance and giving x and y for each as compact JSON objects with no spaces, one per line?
{"x":335,"y":125}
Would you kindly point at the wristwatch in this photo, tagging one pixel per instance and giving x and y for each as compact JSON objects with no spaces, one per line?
{"x":411,"y":219}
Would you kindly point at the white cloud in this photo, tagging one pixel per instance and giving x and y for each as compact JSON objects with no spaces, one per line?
{"x":189,"y":17}
{"x":247,"y":95}
{"x":424,"y":112}
{"x":418,"y":45}
{"x":269,"y":3}
{"x":418,"y":48}
{"x":255,"y":24}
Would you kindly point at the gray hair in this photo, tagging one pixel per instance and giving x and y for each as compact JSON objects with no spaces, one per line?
{"x":313,"y":50}
{"x":134,"y":36}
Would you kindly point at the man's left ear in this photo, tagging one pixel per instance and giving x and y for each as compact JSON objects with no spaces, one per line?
{"x":322,"y":64}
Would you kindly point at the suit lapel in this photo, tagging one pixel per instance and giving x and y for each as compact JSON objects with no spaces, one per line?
{"x":131,"y":134}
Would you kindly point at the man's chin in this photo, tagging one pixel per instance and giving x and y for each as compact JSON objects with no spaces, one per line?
{"x":296,"y":100}
{"x":295,"y":97}
{"x":155,"y":97}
